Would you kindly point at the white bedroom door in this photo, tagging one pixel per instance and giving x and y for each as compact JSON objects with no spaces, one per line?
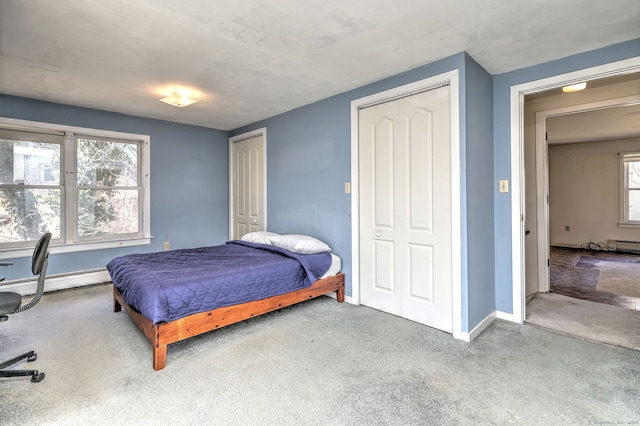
{"x":247,"y":184}
{"x":405,"y":207}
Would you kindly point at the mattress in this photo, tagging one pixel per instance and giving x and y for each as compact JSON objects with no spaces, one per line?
{"x":335,"y":267}
{"x":170,"y":285}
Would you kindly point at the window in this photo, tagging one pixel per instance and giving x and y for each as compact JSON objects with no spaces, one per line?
{"x":89,"y":188}
{"x":630,"y":184}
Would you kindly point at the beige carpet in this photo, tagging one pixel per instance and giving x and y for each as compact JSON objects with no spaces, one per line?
{"x":619,"y":278}
{"x":319,"y":363}
{"x":588,"y":320}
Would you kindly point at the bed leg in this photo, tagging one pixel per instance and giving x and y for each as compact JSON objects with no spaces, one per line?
{"x":117,"y":307}
{"x":159,"y":357}
{"x":340,"y":295}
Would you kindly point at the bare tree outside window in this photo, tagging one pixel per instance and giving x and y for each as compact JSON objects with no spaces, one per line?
{"x":30,"y":190}
{"x":108,"y":189}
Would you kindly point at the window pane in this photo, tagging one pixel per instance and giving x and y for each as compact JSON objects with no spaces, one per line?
{"x":26,"y":214}
{"x":29,"y":163}
{"x":634,"y":205}
{"x":107,"y":212}
{"x":107,"y":163}
{"x":633,"y":168}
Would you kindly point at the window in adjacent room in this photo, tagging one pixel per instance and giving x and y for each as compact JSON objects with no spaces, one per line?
{"x":89,"y":188}
{"x":630,"y":185}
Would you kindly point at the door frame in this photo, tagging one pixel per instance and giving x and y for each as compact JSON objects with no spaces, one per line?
{"x":518,"y":211}
{"x":239,"y":138}
{"x":450,"y":78}
{"x":542,"y":175}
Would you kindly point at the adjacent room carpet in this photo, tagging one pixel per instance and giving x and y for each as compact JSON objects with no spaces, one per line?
{"x":599,"y":276}
{"x":599,"y":322}
{"x":316,"y":363}
{"x":619,"y":278}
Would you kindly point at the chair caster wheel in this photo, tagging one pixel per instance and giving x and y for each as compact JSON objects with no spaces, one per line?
{"x":32,"y":358}
{"x":37,"y":377}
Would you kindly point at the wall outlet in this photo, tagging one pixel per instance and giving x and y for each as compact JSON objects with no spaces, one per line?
{"x":567,"y":228}
{"x":166,"y":245}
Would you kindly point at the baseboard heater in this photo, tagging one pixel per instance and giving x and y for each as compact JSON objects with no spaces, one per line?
{"x":625,"y":246}
{"x":55,"y":282}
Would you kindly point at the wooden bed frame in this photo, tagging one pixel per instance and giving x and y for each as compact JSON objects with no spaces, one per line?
{"x":161,"y":335}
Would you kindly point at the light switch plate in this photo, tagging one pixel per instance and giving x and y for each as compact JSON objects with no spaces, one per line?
{"x":503,"y":185}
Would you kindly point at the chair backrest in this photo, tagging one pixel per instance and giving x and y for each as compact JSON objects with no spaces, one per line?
{"x":39,"y":262}
{"x":40,"y":253}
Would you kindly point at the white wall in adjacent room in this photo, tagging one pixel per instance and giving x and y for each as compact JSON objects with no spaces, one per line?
{"x":584,"y":192}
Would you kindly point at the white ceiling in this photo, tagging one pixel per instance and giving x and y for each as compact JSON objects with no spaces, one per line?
{"x":247,"y":60}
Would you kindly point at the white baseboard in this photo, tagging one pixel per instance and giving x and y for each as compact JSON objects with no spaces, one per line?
{"x":59,"y":281}
{"x":347,"y":299}
{"x":505,"y":316}
{"x":469,"y":336}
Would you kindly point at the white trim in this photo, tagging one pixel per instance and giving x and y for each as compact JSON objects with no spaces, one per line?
{"x":451,"y":78}
{"x":542,"y":201}
{"x":239,"y":138}
{"x":59,"y":282}
{"x":456,"y":208}
{"x":355,"y":205}
{"x":517,"y":160}
{"x":628,"y":225}
{"x":478,"y":329}
{"x":625,"y":191}
{"x":347,"y":299}
{"x":517,"y":205}
{"x":504,"y":316}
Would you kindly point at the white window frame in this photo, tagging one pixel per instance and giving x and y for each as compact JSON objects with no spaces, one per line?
{"x":625,"y":158}
{"x":68,"y":242}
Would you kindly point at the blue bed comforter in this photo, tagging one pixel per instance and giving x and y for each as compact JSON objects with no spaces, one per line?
{"x":169,"y":285}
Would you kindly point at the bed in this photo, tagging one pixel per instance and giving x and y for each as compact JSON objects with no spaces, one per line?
{"x":174,"y":295}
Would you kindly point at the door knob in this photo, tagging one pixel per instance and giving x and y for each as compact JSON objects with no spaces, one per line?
{"x":377,"y":234}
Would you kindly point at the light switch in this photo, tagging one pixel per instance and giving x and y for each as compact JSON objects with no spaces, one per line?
{"x":347,"y":187}
{"x":504,"y":185}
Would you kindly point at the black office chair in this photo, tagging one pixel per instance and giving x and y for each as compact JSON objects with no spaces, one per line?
{"x":11,"y":303}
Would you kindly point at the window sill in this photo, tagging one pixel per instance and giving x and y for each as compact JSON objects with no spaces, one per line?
{"x":72,"y":248}
{"x":628,"y":225}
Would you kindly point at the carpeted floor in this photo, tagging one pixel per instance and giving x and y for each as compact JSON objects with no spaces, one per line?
{"x":620,"y":278}
{"x":316,"y":363}
{"x":599,"y":322}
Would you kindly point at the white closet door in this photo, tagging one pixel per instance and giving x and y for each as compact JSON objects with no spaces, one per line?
{"x":405,"y":207}
{"x":248,"y":186}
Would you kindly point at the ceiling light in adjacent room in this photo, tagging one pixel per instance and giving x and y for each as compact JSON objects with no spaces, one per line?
{"x":178,"y":99}
{"x":574,"y":87}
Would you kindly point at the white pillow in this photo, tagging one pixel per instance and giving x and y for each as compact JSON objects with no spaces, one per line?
{"x":259,"y":237}
{"x":301,"y":244}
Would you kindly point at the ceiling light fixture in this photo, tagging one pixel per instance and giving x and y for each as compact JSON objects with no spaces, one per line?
{"x":574,"y":87}
{"x":178,"y":99}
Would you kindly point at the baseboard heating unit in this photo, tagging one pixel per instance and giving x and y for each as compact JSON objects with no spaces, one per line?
{"x":625,"y":246}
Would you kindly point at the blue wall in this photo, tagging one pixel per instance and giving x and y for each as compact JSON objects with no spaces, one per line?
{"x":502,"y":146}
{"x":189,"y":181}
{"x":478,"y":186}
